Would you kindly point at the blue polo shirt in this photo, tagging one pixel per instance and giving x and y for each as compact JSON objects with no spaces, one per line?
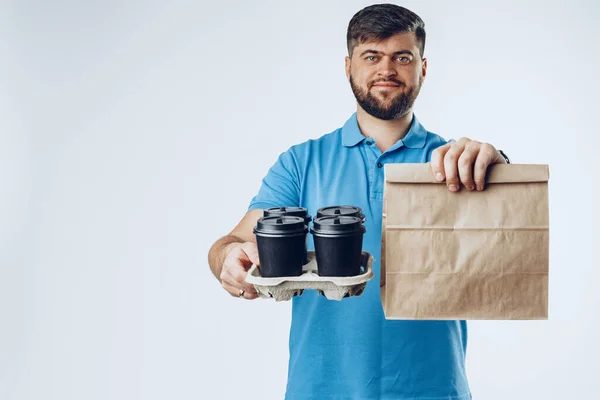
{"x":347,"y":349}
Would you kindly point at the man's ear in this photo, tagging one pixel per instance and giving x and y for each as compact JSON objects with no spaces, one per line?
{"x":347,"y":63}
{"x":424,"y":68}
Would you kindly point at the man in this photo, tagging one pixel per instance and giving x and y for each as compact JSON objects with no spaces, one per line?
{"x":347,"y":349}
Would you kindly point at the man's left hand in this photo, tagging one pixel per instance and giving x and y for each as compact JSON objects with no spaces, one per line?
{"x":466,"y":162}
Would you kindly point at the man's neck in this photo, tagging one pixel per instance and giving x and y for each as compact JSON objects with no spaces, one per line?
{"x":385,"y":133}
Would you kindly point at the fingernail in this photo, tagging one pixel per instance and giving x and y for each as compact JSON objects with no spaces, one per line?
{"x":439,"y":177}
{"x":471,"y":187}
{"x":453,"y":187}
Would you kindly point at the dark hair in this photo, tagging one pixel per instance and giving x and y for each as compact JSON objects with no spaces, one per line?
{"x":381,"y":21}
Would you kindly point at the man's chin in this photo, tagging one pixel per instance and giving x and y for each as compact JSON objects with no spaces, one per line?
{"x":385,"y":107}
{"x":386,"y":98}
{"x":388,"y":114}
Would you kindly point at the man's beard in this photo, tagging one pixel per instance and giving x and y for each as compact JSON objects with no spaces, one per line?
{"x":397,"y":108}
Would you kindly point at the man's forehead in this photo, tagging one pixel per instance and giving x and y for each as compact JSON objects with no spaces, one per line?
{"x":399,"y":41}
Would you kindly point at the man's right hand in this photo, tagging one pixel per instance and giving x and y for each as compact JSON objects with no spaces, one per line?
{"x":239,"y":258}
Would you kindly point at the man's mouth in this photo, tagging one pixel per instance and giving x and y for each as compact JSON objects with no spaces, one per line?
{"x":386,"y":84}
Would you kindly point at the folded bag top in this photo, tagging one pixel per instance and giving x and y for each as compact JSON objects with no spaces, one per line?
{"x":498,"y":173}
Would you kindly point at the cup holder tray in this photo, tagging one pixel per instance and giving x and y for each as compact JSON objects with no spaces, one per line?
{"x":333,"y":287}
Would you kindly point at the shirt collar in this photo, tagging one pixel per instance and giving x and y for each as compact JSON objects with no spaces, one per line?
{"x":415,"y":138}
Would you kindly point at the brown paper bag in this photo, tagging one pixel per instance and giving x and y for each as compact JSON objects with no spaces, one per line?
{"x":465,"y":255}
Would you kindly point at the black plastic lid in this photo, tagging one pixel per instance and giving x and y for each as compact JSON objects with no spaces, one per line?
{"x":288,"y":211}
{"x":280,"y":225}
{"x":350,"y":211}
{"x":333,"y":225}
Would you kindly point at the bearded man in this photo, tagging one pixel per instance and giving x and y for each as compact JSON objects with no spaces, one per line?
{"x":347,"y":349}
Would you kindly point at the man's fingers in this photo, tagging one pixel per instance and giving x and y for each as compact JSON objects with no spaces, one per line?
{"x":487,"y":155}
{"x":235,"y":292}
{"x":246,"y":254}
{"x":235,"y":270}
{"x":437,"y":162}
{"x":237,"y":278}
{"x":465,"y":161}
{"x":450,"y":166}
{"x":465,"y":164}
{"x":250,"y":296}
{"x":232,"y":290}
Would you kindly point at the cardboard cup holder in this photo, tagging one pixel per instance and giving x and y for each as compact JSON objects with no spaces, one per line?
{"x":333,"y":288}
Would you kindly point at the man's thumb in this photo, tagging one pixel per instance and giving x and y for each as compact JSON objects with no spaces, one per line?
{"x":252,"y":252}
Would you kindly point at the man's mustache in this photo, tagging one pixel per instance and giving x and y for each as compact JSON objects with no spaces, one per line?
{"x":392,"y":80}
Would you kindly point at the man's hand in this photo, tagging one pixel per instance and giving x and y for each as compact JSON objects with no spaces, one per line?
{"x":466,"y":162}
{"x":239,"y":258}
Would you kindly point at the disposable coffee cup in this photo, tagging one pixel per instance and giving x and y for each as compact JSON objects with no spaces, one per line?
{"x":292,"y":211}
{"x":346,"y":211}
{"x":338,"y":245}
{"x":281,"y":243}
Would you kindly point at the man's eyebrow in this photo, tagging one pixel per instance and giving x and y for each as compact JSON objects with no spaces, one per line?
{"x":379,"y":52}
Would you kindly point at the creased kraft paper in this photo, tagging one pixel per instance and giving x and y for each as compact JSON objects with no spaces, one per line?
{"x":466,"y":255}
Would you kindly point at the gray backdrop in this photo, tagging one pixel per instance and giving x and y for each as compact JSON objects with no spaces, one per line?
{"x":134,"y":134}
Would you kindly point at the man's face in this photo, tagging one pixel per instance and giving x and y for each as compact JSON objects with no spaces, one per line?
{"x":386,"y":76}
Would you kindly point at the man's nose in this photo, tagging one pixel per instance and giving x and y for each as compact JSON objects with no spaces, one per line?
{"x":386,"y":67}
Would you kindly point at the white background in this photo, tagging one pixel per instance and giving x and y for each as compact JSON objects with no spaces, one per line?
{"x":134,"y":134}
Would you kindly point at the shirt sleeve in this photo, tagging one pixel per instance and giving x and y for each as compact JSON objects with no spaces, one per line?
{"x":281,"y":186}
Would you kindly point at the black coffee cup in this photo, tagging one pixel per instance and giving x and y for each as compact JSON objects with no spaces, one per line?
{"x":347,"y":211}
{"x":338,"y":245}
{"x":281,"y":243}
{"x":295,"y":212}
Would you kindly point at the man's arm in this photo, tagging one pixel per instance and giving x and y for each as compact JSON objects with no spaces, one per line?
{"x":231,"y":256}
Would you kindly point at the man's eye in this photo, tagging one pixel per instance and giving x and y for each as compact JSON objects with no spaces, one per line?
{"x":371,"y":58}
{"x":403,"y":60}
